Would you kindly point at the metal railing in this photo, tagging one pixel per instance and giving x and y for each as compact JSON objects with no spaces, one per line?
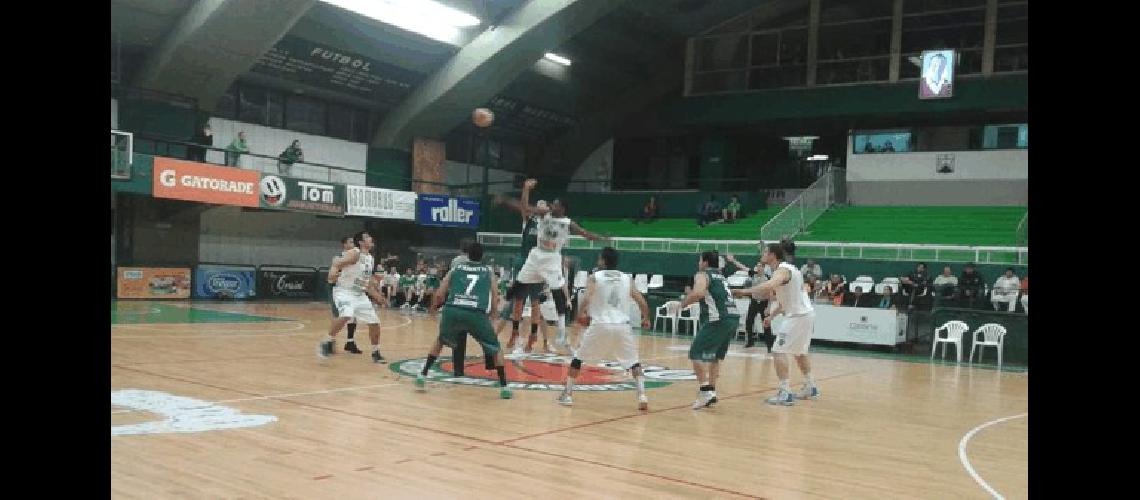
{"x":1023,"y":230}
{"x":805,"y":209}
{"x":804,"y":249}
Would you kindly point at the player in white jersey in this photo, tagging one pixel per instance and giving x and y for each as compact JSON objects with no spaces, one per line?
{"x":609,"y":336}
{"x":544,"y":262}
{"x":794,"y":335}
{"x":354,"y":285}
{"x":346,"y":245}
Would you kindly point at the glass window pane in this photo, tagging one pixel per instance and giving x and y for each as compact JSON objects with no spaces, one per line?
{"x":227,"y":104}
{"x":722,"y":52}
{"x":305,"y":115}
{"x":252,"y":105}
{"x":276,"y":109}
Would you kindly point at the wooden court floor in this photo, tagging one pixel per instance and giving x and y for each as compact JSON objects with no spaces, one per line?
{"x":213,"y":400}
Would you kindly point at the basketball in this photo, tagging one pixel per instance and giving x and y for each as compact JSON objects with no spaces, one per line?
{"x":482,"y":117}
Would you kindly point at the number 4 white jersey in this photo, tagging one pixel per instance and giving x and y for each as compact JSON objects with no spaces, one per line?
{"x":610,"y":303}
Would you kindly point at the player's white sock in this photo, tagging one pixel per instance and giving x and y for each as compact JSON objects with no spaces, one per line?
{"x":640,"y":385}
{"x":569,"y":385}
{"x":330,"y":338}
{"x":809,"y":380}
{"x":375,"y":348}
{"x":561,"y":326}
{"x":784,"y":386}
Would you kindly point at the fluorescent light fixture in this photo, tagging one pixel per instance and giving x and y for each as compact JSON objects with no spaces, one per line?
{"x":817,"y":158}
{"x":426,"y":17}
{"x":557,"y":58}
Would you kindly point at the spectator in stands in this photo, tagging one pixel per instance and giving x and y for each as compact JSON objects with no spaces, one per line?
{"x":708,"y":211}
{"x":204,"y":138}
{"x":811,"y":286}
{"x":888,"y":147}
{"x":291,"y":155}
{"x":1025,"y":294}
{"x":811,"y":268}
{"x":1005,"y":290}
{"x":916,"y":284}
{"x":970,"y":285}
{"x":946,"y":284}
{"x":649,"y":212}
{"x":834,"y":290}
{"x":235,"y":150}
{"x":731,"y":211}
{"x":868,"y":147}
{"x":887,"y":299}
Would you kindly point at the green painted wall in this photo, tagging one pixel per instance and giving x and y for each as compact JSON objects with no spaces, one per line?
{"x":389,"y":168}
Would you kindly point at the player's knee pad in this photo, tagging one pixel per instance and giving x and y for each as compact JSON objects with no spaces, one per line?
{"x":576,"y":364}
{"x":560,"y":302}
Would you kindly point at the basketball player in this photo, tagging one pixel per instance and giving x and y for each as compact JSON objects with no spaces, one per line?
{"x":609,"y":336}
{"x":346,"y":245}
{"x":353,"y":286}
{"x":471,"y":296}
{"x":718,"y":322}
{"x":794,"y":336}
{"x":515,"y":293}
{"x":544,"y":262}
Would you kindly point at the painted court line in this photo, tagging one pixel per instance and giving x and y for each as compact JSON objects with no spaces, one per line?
{"x":966,"y":461}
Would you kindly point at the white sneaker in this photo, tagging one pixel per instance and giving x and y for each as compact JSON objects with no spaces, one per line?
{"x":704,"y":398}
{"x":565,"y":400}
{"x":642,"y":402}
{"x":808,"y":392}
{"x":782,"y":398}
{"x":518,"y":351}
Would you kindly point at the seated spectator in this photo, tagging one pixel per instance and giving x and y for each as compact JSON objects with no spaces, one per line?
{"x":291,"y":155}
{"x":888,"y":147}
{"x":946,"y":284}
{"x":834,"y":290}
{"x":811,"y":268}
{"x":916,"y":284}
{"x":731,"y":211}
{"x":887,"y":299}
{"x":970,"y":285}
{"x":708,"y":211}
{"x":1025,"y":294}
{"x":811,"y":286}
{"x":1005,"y":290}
{"x":855,"y":298}
{"x":868,"y":147}
{"x":649,"y":212}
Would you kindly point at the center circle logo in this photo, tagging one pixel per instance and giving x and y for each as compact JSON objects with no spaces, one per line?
{"x":272,"y":190}
{"x":542,"y":372}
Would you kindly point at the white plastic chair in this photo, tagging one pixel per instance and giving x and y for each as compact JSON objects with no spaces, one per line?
{"x":742,"y":309}
{"x":580,"y":279}
{"x":861,"y":287}
{"x":892,"y":280}
{"x":667,"y":312}
{"x":741,"y":273}
{"x":993,"y":334}
{"x":736,"y":281}
{"x":691,"y":315}
{"x":864,"y":278}
{"x":641,"y":282}
{"x":656,"y":281}
{"x":954,"y":331}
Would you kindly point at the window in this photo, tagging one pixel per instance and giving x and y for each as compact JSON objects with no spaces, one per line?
{"x":305,"y":115}
{"x":1010,"y":136}
{"x":253,"y":104}
{"x":275,"y":109}
{"x":340,"y":121}
{"x":882,"y":141}
{"x":945,"y":24}
{"x":227,"y":104}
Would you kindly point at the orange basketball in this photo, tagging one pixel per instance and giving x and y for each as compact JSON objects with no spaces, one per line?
{"x":482,"y":117}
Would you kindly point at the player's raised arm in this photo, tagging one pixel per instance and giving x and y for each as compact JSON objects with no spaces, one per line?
{"x":700,"y":289}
